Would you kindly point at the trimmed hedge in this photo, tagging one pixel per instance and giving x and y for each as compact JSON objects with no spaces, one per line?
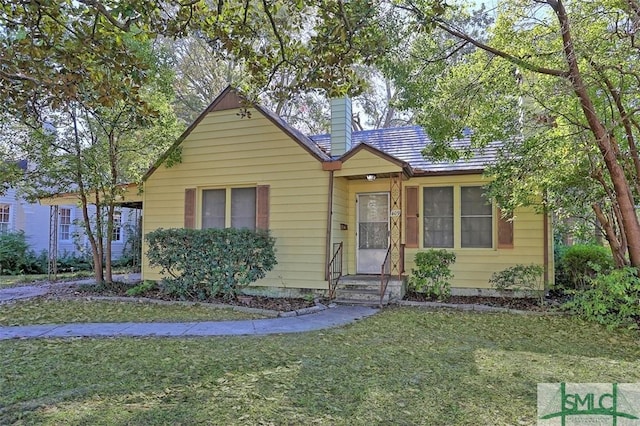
{"x":581,"y":262}
{"x":206,"y":263}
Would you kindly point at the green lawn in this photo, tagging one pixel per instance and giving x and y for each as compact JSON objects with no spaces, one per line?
{"x":43,"y":311}
{"x":403,"y":367}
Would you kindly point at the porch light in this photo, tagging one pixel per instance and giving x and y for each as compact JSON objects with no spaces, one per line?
{"x":371,"y":178}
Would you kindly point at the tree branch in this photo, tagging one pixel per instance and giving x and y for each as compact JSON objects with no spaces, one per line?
{"x":513,"y":59}
{"x":104,"y":12}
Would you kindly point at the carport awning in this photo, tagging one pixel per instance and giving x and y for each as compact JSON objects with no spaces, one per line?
{"x":130,"y":197}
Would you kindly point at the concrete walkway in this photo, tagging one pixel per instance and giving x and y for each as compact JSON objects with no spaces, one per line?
{"x":327,"y":318}
{"x":332,"y":317}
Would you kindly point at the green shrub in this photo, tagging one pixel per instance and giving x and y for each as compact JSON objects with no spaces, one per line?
{"x":142,"y":288}
{"x":432,"y":273}
{"x":580,"y":262}
{"x":612,"y":300}
{"x":71,"y":262}
{"x":204,"y":263}
{"x":526,"y":278}
{"x":13,"y":253}
{"x":36,"y":263}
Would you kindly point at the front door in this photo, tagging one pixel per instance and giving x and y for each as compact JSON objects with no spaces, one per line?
{"x":373,"y":231}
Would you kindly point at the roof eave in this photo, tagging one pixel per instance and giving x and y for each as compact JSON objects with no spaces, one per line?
{"x":419,"y":173}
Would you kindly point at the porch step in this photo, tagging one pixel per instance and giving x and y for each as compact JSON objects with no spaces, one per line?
{"x":362,"y":290}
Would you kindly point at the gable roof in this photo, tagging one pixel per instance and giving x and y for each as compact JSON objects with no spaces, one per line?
{"x":406,"y":144}
{"x":363,"y":146}
{"x":229,"y":98}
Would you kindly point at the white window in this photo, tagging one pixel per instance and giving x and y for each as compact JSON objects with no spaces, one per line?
{"x":116,"y":235}
{"x":476,"y":218}
{"x":5,"y":217}
{"x":229,"y":208}
{"x":438,"y":216}
{"x":65,"y":224}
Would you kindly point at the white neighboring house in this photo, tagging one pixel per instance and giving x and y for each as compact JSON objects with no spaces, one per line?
{"x":34,"y":219}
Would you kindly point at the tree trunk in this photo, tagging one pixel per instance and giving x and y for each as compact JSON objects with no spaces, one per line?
{"x":84,"y":202}
{"x":617,"y":250}
{"x":107,"y":258}
{"x":607,"y":144}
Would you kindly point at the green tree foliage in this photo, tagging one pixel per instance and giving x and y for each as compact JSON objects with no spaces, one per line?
{"x":206,"y":263}
{"x":612,"y":299}
{"x":13,"y":253}
{"x":93,"y":150}
{"x":557,"y":81}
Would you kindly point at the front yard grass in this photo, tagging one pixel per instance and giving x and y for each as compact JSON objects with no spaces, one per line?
{"x":404,"y":366}
{"x":46,"y":311}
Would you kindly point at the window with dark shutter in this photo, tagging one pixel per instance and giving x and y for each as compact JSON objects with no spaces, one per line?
{"x":190,"y":208}
{"x":411,"y":218}
{"x":505,"y":231}
{"x":262,"y":207}
{"x":476,"y":218}
{"x":438,"y":216}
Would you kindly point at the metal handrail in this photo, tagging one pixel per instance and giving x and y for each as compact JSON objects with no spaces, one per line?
{"x":384,"y":276}
{"x":334,"y":271}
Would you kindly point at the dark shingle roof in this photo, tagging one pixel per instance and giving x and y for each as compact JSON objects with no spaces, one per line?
{"x":407,"y":143}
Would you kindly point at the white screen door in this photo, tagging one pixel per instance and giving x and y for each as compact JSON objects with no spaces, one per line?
{"x":373,"y":231}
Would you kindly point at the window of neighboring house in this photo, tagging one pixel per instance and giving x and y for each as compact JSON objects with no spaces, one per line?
{"x":117,"y":227}
{"x":5,"y":217}
{"x":476,"y":218}
{"x":438,"y":216}
{"x":65,"y":224}
{"x":229,"y":207}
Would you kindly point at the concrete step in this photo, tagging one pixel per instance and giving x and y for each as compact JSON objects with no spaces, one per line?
{"x":358,"y":302}
{"x":369,"y":297}
{"x":364,"y":290}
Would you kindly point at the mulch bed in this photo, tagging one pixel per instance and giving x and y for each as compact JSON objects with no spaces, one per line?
{"x":519,"y":303}
{"x":260,"y":302}
{"x":283,"y":304}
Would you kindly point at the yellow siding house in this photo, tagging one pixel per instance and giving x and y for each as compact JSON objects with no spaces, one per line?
{"x":367,"y":200}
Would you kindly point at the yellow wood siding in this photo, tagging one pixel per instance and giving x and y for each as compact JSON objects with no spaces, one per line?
{"x":341,"y":216}
{"x":225,"y":150}
{"x":473,"y":266}
{"x":365,"y":162}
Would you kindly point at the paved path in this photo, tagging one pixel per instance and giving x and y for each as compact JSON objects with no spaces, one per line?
{"x":331,"y":317}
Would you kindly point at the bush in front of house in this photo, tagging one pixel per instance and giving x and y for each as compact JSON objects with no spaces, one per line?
{"x":580,"y":262}
{"x":16,"y":258}
{"x":13,"y":253}
{"x":612,"y":299}
{"x":432,"y":273}
{"x":207,"y":263}
{"x":519,"y":278}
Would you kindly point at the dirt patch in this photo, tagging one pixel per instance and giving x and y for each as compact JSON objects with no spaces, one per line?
{"x":522,"y":304}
